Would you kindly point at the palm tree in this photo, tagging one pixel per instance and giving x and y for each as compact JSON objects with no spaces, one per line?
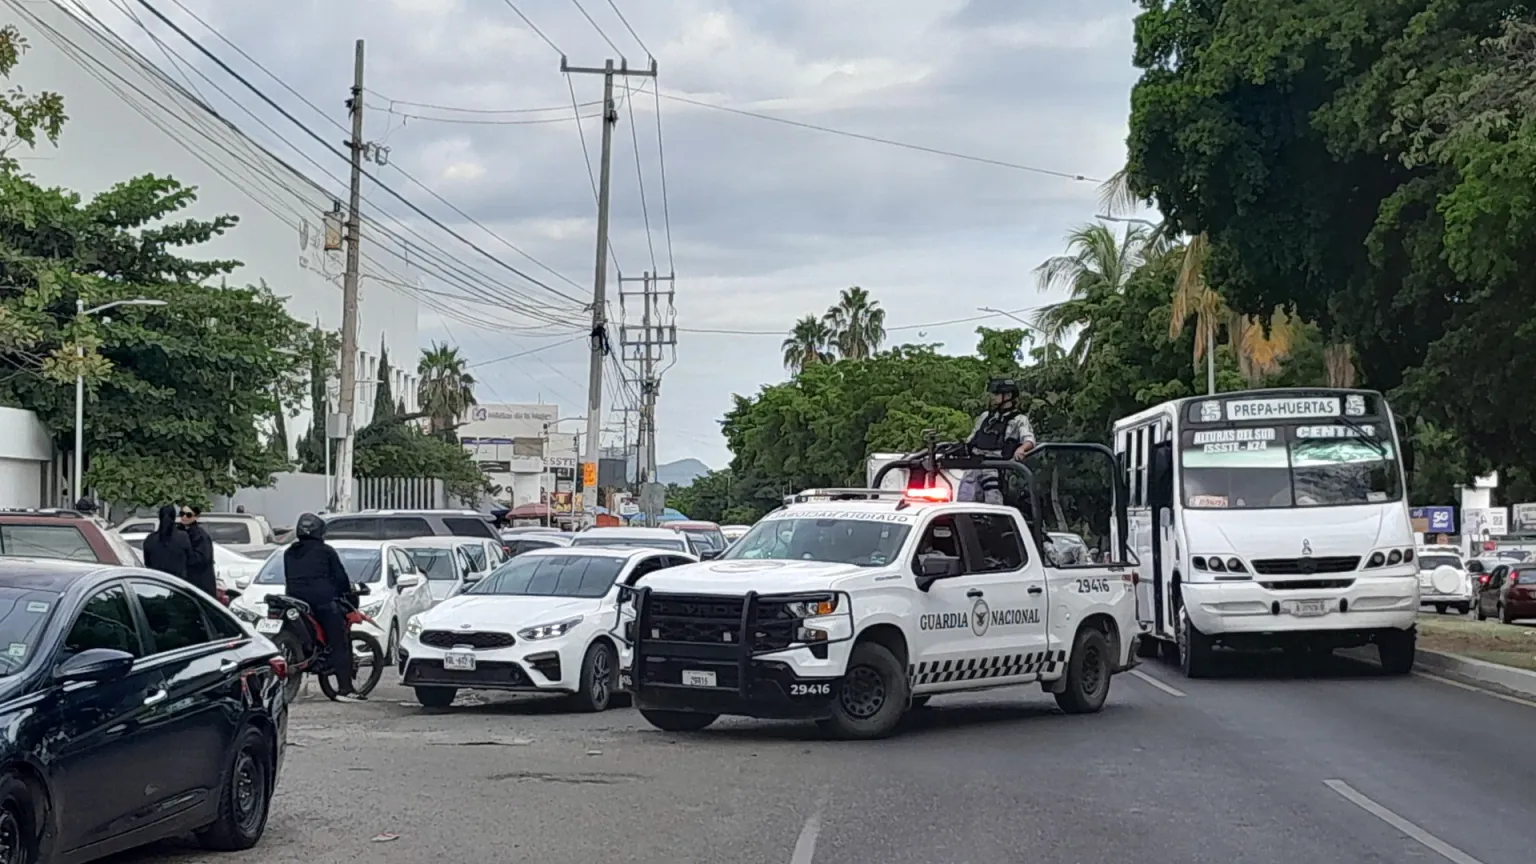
{"x":447,"y":390}
{"x":1260,"y":343}
{"x":857,"y":324}
{"x":807,"y":344}
{"x":1097,"y":265}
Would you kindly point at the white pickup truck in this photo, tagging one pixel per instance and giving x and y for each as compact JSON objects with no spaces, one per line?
{"x":850,"y":607}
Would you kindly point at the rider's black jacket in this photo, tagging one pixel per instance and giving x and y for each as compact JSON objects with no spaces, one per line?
{"x":314,"y":572}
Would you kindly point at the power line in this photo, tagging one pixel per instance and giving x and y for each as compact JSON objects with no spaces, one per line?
{"x":625,"y":21}
{"x":661,"y":156}
{"x":534,"y":27}
{"x":476,"y":122}
{"x":529,"y":352}
{"x":260,"y":94}
{"x":437,"y":107}
{"x":923,"y":326}
{"x":645,"y":209}
{"x":583,"y":10}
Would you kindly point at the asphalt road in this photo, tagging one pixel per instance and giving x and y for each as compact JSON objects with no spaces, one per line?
{"x":1265,"y":764}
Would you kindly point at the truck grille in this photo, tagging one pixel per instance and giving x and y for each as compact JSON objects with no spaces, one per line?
{"x":482,"y":640}
{"x":716,"y":621}
{"x":1306,"y":566}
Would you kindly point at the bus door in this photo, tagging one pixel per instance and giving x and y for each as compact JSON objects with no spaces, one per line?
{"x":1134,"y":447}
{"x":1165,"y":547}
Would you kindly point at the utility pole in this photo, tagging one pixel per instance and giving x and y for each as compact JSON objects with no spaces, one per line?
{"x":644,"y":349}
{"x":348,"y":394}
{"x":599,"y":334}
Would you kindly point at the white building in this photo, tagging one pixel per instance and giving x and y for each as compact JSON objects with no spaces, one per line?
{"x":27,"y":480}
{"x":522,"y":450}
{"x":126,"y":118}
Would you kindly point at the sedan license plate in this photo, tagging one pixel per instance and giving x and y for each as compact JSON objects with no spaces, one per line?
{"x":269,"y":625}
{"x":1308,"y":608}
{"x":459,"y":661}
{"x":695,"y":678}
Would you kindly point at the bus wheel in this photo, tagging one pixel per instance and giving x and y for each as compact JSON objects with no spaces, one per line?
{"x":1195,"y":649}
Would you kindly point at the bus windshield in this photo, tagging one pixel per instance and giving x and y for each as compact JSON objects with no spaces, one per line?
{"x":1299,"y":464}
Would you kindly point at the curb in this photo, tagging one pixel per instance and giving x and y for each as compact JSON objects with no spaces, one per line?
{"x":1492,"y":677}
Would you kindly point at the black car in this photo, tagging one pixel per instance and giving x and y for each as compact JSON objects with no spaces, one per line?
{"x":406,"y":524}
{"x":132,"y":709}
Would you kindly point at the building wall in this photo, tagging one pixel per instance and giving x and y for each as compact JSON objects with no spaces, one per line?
{"x":498,"y":436}
{"x":26,"y":456}
{"x":127,"y":119}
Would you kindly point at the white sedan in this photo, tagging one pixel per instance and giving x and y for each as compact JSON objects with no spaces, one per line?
{"x":539,"y":623}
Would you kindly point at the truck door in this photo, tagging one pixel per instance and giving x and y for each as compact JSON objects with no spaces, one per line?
{"x":988,"y":623}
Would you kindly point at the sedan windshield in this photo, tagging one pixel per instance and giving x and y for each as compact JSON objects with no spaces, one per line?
{"x":24,"y":613}
{"x":552,"y":576}
{"x":864,"y":542}
{"x":678,"y":545}
{"x":362,"y":565}
{"x":436,"y":563}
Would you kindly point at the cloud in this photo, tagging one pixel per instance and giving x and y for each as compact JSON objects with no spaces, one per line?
{"x":768,"y":222}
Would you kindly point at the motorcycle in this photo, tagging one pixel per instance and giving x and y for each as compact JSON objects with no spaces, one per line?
{"x":292,"y":626}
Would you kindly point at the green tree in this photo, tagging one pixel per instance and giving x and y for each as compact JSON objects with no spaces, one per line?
{"x":1096,"y":267}
{"x":396,"y":447}
{"x":807,"y":344}
{"x":447,"y":390}
{"x":22,"y":117}
{"x":320,"y":354}
{"x":856,"y":325}
{"x":384,"y":397}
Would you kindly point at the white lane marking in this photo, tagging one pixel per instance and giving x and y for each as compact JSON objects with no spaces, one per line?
{"x":1507,"y":698}
{"x":1170,"y":690}
{"x":1424,"y":838}
{"x":805,"y":844}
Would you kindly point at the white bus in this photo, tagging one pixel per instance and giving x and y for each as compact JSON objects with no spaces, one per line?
{"x":1271,"y":518}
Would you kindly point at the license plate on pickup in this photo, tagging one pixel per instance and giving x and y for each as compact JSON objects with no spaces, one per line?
{"x":269,"y":625}
{"x":1308,"y":608}
{"x":459,"y":661}
{"x":695,"y":678}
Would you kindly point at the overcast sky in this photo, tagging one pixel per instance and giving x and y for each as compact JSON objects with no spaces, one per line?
{"x":768,"y":222}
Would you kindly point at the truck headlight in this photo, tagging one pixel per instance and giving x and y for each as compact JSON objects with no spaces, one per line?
{"x":814,"y":608}
{"x":548,"y":631}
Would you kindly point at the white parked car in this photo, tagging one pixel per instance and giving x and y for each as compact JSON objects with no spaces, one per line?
{"x":539,"y":623}
{"x":233,"y":570}
{"x":637,"y":538}
{"x":397,"y":588}
{"x":446,"y":563}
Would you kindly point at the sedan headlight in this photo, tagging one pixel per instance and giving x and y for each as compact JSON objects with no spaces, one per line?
{"x":413,"y":627}
{"x":374,"y":607}
{"x":548,"y":631}
{"x":814,"y":608}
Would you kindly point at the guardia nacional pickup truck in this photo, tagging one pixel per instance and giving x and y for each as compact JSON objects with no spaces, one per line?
{"x":851,"y":607}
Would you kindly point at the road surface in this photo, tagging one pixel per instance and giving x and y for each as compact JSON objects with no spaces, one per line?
{"x":1266,"y":764}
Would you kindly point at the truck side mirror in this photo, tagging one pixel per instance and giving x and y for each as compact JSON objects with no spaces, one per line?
{"x":932,"y":568}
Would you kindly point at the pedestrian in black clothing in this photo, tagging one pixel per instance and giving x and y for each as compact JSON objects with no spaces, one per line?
{"x":200,"y":564}
{"x":168,"y":549}
{"x":314,"y":573}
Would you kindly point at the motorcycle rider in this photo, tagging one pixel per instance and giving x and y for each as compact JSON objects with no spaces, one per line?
{"x":1001,"y":432}
{"x":314,"y":573}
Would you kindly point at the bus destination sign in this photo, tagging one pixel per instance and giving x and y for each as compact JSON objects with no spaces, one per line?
{"x":1283,"y":409}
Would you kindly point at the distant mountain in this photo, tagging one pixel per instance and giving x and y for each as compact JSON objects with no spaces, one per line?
{"x":682,"y":472}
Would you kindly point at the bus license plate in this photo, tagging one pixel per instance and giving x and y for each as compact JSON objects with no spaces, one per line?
{"x":459,"y":661}
{"x":269,"y":625}
{"x":1308,"y":608}
{"x":695,"y":678}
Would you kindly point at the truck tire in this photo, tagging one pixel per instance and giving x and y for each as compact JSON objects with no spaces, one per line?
{"x":1440,"y":608}
{"x":873,"y":696}
{"x":1396,"y":649}
{"x":1196,"y":653}
{"x":1463,"y":608}
{"x":1088,"y":673}
{"x":677,"y":721}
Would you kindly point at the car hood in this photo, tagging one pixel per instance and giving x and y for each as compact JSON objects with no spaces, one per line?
{"x":1260,"y":534}
{"x":765,"y":577}
{"x":493,"y":612}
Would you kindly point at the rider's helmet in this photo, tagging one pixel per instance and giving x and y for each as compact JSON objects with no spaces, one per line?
{"x":309,"y":525}
{"x":1004,"y":387}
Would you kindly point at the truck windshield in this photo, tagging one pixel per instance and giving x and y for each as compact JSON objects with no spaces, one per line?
{"x":1289,"y":465}
{"x":864,"y":542}
{"x":1430,"y":562}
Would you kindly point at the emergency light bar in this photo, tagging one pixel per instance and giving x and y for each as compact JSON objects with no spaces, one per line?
{"x":842,"y":495}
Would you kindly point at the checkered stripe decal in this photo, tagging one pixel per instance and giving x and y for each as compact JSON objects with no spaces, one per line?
{"x":977,"y":668}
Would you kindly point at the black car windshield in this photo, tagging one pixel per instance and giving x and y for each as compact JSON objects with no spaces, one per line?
{"x":24,"y":612}
{"x":1289,"y":466}
{"x":362,"y":565}
{"x":678,"y":545}
{"x":865,"y":542}
{"x":552,"y":576}
{"x":1430,"y":562}
{"x":436,"y":563}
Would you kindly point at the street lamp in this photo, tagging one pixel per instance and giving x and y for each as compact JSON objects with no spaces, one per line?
{"x":81,"y":312}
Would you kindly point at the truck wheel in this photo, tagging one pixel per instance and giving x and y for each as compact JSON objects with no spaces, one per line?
{"x":1195,"y":649}
{"x":1463,"y":608}
{"x":1088,"y":672}
{"x":873,"y":696}
{"x":1440,"y":608}
{"x":677,"y":721}
{"x":1396,"y":650}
